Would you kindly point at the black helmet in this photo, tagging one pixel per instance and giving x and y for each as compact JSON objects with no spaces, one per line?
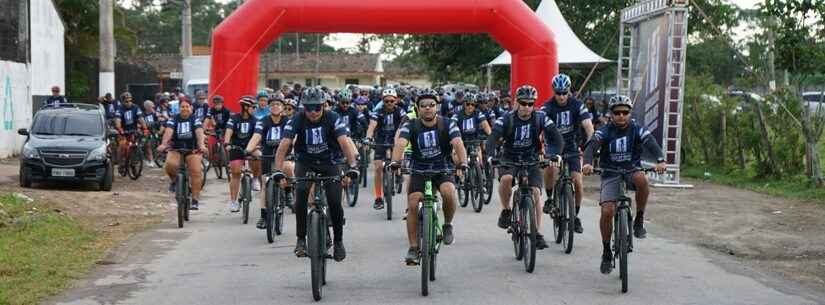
{"x":527,"y":92}
{"x":247,"y":100}
{"x":313,"y":96}
{"x":217,"y":99}
{"x":426,"y":93}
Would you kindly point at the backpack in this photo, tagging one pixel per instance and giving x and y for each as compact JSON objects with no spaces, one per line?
{"x":443,"y":134}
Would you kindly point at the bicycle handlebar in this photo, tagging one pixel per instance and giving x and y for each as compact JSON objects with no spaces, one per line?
{"x":623,"y":171}
{"x":523,"y":164}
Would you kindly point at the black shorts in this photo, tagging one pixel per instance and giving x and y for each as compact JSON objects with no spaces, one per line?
{"x":236,"y":154}
{"x":382,"y":154}
{"x":534,"y":175}
{"x":417,"y":183}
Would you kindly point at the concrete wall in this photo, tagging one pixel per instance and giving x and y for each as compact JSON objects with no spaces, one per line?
{"x":48,"y":66}
{"x":330,"y":81}
{"x":15,"y":105}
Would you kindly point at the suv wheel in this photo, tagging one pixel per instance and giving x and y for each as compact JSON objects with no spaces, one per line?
{"x":106,"y":183}
{"x":25,"y":177}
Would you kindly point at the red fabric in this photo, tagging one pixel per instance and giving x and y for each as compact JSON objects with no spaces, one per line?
{"x":239,"y":39}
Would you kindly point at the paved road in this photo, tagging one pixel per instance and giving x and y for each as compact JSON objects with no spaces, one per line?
{"x":217,"y":260}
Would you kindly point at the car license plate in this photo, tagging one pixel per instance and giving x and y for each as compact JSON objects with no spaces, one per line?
{"x":63,"y":172}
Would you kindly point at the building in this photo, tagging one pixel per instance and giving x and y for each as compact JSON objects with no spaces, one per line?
{"x":32,"y":60}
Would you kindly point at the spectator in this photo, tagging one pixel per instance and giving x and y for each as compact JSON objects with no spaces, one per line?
{"x":55,"y":100}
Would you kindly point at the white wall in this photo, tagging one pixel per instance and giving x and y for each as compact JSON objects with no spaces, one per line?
{"x":15,"y":105}
{"x":48,"y":66}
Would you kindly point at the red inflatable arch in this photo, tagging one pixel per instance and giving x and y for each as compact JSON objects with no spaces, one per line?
{"x":238,"y":40}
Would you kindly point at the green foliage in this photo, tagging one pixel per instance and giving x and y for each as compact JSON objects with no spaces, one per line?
{"x":795,"y":187}
{"x":799,"y":26}
{"x":41,"y":251}
{"x":716,"y":59}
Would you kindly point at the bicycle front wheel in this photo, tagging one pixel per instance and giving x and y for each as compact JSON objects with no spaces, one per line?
{"x":270,"y":195}
{"x":317,"y":253}
{"x":569,"y":218}
{"x":388,"y":192}
{"x":477,"y":187}
{"x":426,"y":246}
{"x":180,"y":197}
{"x":529,"y":232}
{"x":351,"y":193}
{"x":246,"y":197}
{"x":622,"y":246}
{"x":135,"y":167}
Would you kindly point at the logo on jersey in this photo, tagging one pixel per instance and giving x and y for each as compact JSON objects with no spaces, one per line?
{"x":274,"y":136}
{"x":468,"y":125}
{"x":184,"y":130}
{"x":620,"y":150}
{"x":564,"y":122}
{"x":522,"y":138}
{"x":428,"y":144}
{"x":389,"y":122}
{"x":128,"y":117}
{"x":315,"y":143}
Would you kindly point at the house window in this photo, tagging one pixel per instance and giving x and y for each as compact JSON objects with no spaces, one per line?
{"x":351,"y":81}
{"x":308,"y":82}
{"x":275,"y":84}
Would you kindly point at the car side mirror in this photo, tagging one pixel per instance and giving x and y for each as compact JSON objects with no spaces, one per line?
{"x":23,"y":132}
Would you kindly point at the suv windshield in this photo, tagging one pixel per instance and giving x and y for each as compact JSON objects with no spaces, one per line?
{"x":67,"y":124}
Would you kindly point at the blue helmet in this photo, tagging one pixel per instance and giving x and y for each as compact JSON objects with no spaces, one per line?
{"x":262,"y":93}
{"x":561,"y":83}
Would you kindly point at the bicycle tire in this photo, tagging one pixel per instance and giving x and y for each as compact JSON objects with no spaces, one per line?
{"x":477,"y":189}
{"x":160,"y":159}
{"x":622,"y":246}
{"x":351,"y":194}
{"x":269,"y":201}
{"x":180,"y":198}
{"x":559,"y":205}
{"x":425,"y":246}
{"x":188,"y":201}
{"x":246,"y":197}
{"x":569,"y":219}
{"x":219,"y":155}
{"x":529,"y":235}
{"x":461,"y":190}
{"x":135,"y":164}
{"x":317,"y":254}
{"x":280,"y":197}
{"x":488,"y":183}
{"x":388,"y":192}
{"x":515,"y":234}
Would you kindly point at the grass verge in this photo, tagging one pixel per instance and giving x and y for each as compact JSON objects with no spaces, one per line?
{"x":798,"y":187}
{"x":41,"y":251}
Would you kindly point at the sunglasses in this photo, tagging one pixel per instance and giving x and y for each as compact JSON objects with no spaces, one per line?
{"x":427,"y":105}
{"x":313,"y":108}
{"x":345,"y":103}
{"x":470,"y":104}
{"x":526,"y":103}
{"x":621,"y":113}
{"x":561,"y":93}
{"x":289,"y":109}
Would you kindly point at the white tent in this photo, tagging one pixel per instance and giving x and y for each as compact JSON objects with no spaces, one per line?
{"x":571,"y":50}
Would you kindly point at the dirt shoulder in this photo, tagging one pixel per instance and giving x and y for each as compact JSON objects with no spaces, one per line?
{"x":781,"y":236}
{"x":130,"y":207}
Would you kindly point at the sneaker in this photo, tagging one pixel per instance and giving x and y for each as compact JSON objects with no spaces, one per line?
{"x":234,"y":207}
{"x":256,"y":185}
{"x":540,"y":242}
{"x":548,"y":207}
{"x":639,"y":229}
{"x":504,"y":219}
{"x":379,"y":204}
{"x":261,"y":223}
{"x":577,"y":226}
{"x":301,"y":248}
{"x":173,"y":187}
{"x":607,"y":263}
{"x":448,"y":233}
{"x":193,"y":205}
{"x":412,"y":257}
{"x":339,"y":253}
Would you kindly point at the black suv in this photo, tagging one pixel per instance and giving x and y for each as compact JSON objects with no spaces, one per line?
{"x":68,"y":143}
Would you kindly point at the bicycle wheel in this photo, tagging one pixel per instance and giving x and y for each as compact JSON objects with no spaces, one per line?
{"x":488,"y":184}
{"x":351,"y":193}
{"x":559,"y":204}
{"x":528,"y":225}
{"x":425,"y":245}
{"x":188,"y":196}
{"x":515,"y":233}
{"x":622,"y":246}
{"x":569,"y":219}
{"x":160,"y":158}
{"x":180,"y":197}
{"x":280,"y":200}
{"x":135,"y":167}
{"x":388,"y":192}
{"x":477,"y":186}
{"x":317,"y":253}
{"x":269,"y":201}
{"x":462,"y":190}
{"x":246,"y":197}
{"x":218,"y":155}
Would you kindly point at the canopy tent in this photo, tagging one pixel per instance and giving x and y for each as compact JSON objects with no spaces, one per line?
{"x":571,"y":50}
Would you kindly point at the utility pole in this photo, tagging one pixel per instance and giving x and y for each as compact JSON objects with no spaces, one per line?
{"x":186,"y":27}
{"x":771,"y":55}
{"x":106,"y":80}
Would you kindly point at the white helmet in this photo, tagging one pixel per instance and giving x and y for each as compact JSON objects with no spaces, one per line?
{"x":620,"y":100}
{"x":389,"y":92}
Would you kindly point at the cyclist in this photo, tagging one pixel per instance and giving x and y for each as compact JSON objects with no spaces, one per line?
{"x":200,"y":106}
{"x":621,"y":142}
{"x":317,"y":136}
{"x":486,"y":105}
{"x":384,"y":122}
{"x":520,"y":130}
{"x":218,"y":115}
{"x":263,"y":101}
{"x":239,"y":130}
{"x":569,"y":115}
{"x":471,"y":122}
{"x":184,"y":131}
{"x":432,"y":138}
{"x":150,"y":117}
{"x":268,"y":132}
{"x":289,"y":107}
{"x":128,"y":118}
{"x":349,"y":115}
{"x":361,"y":105}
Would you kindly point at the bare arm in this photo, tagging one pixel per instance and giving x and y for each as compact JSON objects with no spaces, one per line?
{"x":371,"y":129}
{"x":280,"y":155}
{"x":398,"y":150}
{"x":201,"y":139}
{"x":167,"y":135}
{"x":227,"y":137}
{"x":253,"y":143}
{"x":486,"y":127}
{"x":458,"y":146}
{"x":588,"y":128}
{"x":347,"y":147}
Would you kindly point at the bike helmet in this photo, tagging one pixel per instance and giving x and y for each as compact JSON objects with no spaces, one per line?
{"x":344,"y":95}
{"x":426,"y":93}
{"x":247,"y":100}
{"x":361,"y":100}
{"x":470,"y":98}
{"x":620,"y":100}
{"x":484,"y":97}
{"x":290,"y":102}
{"x":262,"y":93}
{"x":389,"y":92}
{"x":527,"y":92}
{"x":313,"y":96}
{"x":217,"y":99}
{"x":561,"y":83}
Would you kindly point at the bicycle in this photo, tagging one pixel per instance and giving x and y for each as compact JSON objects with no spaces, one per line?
{"x":183,"y":191}
{"x":429,"y":228}
{"x":245,"y":194}
{"x":275,"y":199}
{"x":474,"y":181}
{"x":318,"y":237}
{"x":133,"y":157}
{"x":390,"y":181}
{"x":217,"y":155}
{"x":622,"y":228}
{"x":562,"y":209}
{"x":363,"y":163}
{"x":523,"y":228}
